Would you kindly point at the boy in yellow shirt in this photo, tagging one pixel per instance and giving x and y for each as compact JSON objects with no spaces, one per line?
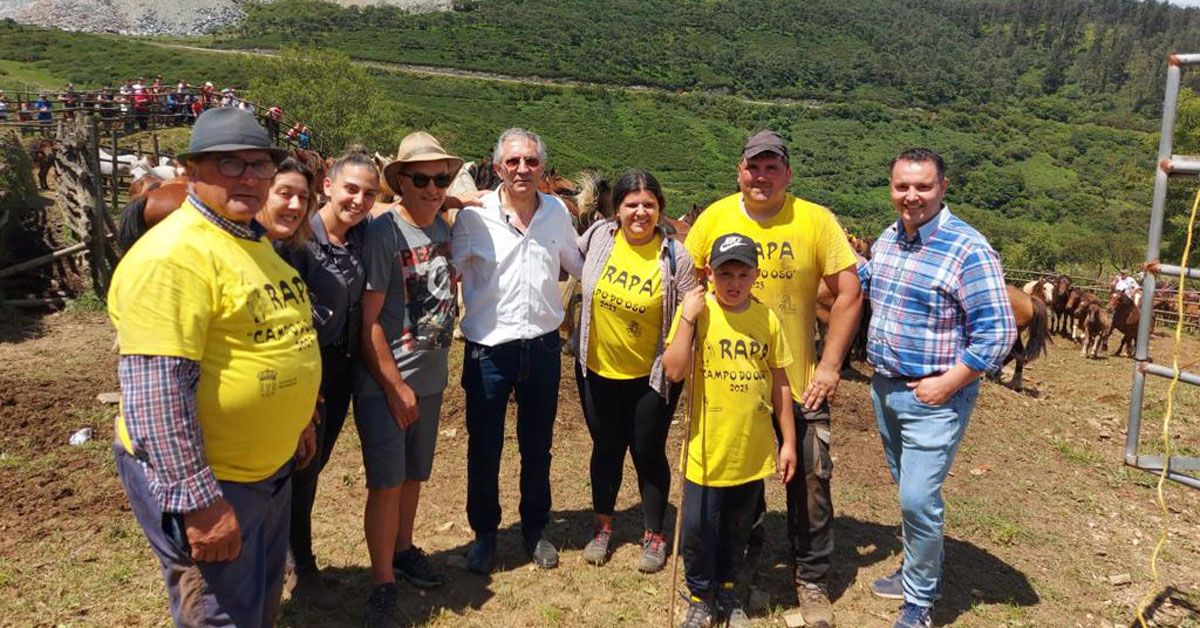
{"x":740,"y":384}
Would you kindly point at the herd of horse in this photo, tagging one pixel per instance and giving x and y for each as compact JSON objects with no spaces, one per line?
{"x":1083,"y":317}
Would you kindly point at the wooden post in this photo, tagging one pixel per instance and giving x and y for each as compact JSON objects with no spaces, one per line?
{"x":99,"y":243}
{"x":115,"y":186}
{"x":154,"y":143}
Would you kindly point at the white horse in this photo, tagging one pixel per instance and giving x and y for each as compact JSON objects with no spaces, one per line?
{"x":124,"y":163}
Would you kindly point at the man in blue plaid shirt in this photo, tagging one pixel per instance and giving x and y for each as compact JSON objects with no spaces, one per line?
{"x":941,"y":318}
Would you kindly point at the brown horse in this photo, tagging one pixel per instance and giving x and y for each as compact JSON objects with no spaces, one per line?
{"x":1096,"y":327}
{"x":1032,"y":315}
{"x":1125,"y":317}
{"x":1058,"y":305}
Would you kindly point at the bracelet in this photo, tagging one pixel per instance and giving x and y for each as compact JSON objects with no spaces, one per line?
{"x":685,"y":319}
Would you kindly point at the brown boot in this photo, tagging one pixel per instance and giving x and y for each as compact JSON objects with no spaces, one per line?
{"x":814,"y":605}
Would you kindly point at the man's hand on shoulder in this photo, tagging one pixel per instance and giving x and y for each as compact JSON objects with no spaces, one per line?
{"x":213,"y":533}
{"x":821,"y":388}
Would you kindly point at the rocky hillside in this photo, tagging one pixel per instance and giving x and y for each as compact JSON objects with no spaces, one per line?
{"x":154,"y":17}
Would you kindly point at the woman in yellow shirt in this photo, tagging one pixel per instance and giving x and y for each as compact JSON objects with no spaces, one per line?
{"x":634,"y":277}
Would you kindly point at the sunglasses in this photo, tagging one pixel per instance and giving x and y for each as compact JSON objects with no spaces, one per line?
{"x":515,"y":162}
{"x":234,"y":167}
{"x":421,"y":180}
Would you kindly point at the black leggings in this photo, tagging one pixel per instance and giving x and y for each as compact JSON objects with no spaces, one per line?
{"x":337,"y":386}
{"x":627,"y":414}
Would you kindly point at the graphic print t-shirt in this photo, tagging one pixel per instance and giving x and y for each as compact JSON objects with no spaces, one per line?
{"x":732,"y":439}
{"x":411,"y":266}
{"x":627,"y":311}
{"x":189,"y":289}
{"x":798,"y":246}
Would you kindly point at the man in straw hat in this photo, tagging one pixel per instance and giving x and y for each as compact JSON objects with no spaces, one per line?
{"x":510,"y":253}
{"x":219,"y":373}
{"x":409,"y":307}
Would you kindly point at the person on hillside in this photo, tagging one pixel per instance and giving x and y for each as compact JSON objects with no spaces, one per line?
{"x":408,"y":311}
{"x":304,"y":137}
{"x":273,"y":118}
{"x":510,"y":253}
{"x":44,"y":109}
{"x":70,"y":101}
{"x":142,"y":102}
{"x":941,"y":319}
{"x":801,"y":245}
{"x":331,"y":263}
{"x":219,"y":372}
{"x":634,"y":278}
{"x":126,"y":88}
{"x":3,"y":107}
{"x":1125,"y":284}
{"x":731,"y":448}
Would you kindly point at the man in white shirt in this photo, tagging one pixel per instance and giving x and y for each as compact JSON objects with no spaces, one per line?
{"x":510,"y":253}
{"x":1126,"y":284}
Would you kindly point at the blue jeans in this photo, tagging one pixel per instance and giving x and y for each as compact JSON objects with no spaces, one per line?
{"x":490,"y":375}
{"x":919,"y":443}
{"x":242,"y":592}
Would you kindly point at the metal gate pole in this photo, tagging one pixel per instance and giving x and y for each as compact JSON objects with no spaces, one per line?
{"x":1167,"y":164}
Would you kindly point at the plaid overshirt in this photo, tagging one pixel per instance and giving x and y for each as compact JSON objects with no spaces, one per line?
{"x":158,"y":404}
{"x":936,"y":300}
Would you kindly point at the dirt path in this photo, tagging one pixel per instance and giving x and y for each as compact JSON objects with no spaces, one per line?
{"x":512,"y":79}
{"x":1044,"y":523}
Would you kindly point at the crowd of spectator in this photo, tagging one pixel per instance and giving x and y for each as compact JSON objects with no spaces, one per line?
{"x":136,"y":102}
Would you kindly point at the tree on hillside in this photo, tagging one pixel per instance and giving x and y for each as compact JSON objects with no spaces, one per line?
{"x":340,"y":101}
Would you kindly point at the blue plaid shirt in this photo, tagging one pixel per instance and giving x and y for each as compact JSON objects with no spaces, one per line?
{"x":158,"y":403}
{"x":936,"y":300}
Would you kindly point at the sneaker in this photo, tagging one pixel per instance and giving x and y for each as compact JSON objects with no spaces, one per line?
{"x":814,"y":605}
{"x":699,"y":614}
{"x":543,"y":553}
{"x":414,"y":566}
{"x":914,"y":616}
{"x":481,"y":558}
{"x":654,"y":553}
{"x":729,"y":607}
{"x":381,"y":607}
{"x":891,"y":587}
{"x":596,"y":551}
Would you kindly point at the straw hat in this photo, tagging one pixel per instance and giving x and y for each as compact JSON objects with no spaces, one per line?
{"x":415,"y":147}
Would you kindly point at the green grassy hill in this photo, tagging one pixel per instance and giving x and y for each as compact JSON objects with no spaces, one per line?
{"x":1047,"y":192}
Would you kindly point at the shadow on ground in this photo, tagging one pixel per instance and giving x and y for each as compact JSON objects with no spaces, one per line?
{"x":973,"y":575}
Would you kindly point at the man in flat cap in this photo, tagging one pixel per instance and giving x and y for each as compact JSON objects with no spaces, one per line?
{"x":800,"y":245}
{"x":219,"y":372}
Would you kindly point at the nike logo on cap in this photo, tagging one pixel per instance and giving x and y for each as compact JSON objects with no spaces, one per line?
{"x":729,"y":243}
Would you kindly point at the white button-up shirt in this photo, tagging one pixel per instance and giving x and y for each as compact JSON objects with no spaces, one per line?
{"x":510,"y":278}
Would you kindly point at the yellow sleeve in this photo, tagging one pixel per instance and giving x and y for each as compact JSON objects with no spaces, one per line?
{"x":697,"y":243}
{"x":835,"y":249}
{"x":162,"y":307}
{"x":780,"y":355}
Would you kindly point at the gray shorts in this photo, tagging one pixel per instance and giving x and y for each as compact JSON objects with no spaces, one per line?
{"x":390,"y":454}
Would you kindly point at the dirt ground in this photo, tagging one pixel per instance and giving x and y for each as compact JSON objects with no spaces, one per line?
{"x":1045,"y":526}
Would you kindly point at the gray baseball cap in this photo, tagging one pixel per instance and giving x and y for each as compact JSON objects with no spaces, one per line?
{"x":225,"y":130}
{"x":765,"y":142}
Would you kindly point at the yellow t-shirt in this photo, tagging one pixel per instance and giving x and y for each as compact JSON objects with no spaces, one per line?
{"x":189,"y":289}
{"x":732,"y":441}
{"x":797,"y":247}
{"x":627,"y":311}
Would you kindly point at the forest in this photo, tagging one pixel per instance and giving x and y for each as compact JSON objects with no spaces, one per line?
{"x":1050,"y":154}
